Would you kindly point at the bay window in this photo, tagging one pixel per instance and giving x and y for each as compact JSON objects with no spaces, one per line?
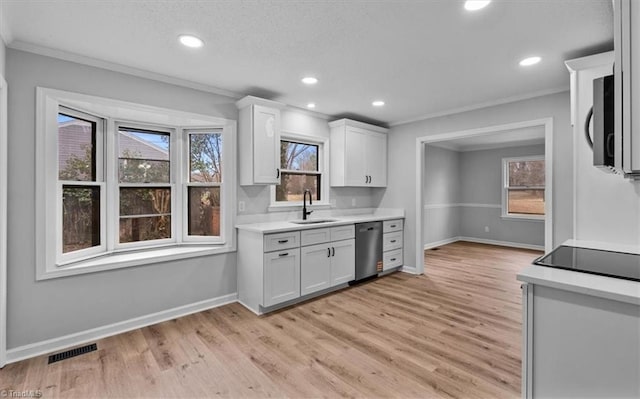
{"x":155,"y":181}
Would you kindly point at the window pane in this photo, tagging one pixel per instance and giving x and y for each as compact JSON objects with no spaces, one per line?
{"x":526,"y":173}
{"x":529,"y":202}
{"x":205,"y":157}
{"x":80,"y":217}
{"x":204,"y":211}
{"x":292,"y":186}
{"x":298,"y":156}
{"x":144,"y":228}
{"x":145,"y":214}
{"x":76,"y":149}
{"x":143,"y":156}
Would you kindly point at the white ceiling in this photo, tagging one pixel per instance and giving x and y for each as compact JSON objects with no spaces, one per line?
{"x":509,"y":138}
{"x":422,"y":57}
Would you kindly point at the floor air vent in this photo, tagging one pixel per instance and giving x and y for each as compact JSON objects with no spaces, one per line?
{"x":72,"y":352}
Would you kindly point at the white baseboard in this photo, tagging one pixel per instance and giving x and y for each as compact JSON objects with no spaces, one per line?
{"x":503,"y":243}
{"x":410,"y":270}
{"x":483,"y":241}
{"x":83,"y":337}
{"x":441,"y":242}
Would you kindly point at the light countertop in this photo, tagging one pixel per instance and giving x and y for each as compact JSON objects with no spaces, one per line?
{"x":584,"y":283}
{"x":339,"y":220}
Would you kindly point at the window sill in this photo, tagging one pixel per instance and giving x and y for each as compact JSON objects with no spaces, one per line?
{"x":297,"y":206}
{"x":524,"y":218}
{"x":121,"y":260}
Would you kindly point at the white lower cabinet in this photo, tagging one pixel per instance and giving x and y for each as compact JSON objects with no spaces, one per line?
{"x":392,"y":244}
{"x":327,"y":265}
{"x":281,"y":276}
{"x":315,"y":273}
{"x":343,"y":262}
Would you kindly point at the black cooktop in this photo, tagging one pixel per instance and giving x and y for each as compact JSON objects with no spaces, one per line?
{"x":595,"y":261}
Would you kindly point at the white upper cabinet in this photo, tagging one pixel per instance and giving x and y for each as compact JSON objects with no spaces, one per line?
{"x":259,"y":141}
{"x":358,"y":154}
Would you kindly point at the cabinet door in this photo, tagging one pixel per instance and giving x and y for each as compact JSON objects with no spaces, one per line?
{"x":266,"y":145}
{"x":376,"y":159}
{"x":315,"y":273}
{"x":343,"y":261}
{"x":281,"y":276}
{"x":355,"y":155}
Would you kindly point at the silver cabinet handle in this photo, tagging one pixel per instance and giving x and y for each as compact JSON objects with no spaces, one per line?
{"x":282,"y":241}
{"x":392,"y":226}
{"x":284,"y":254}
{"x":334,"y":251}
{"x":392,"y":259}
{"x":393,"y":240}
{"x":328,"y":252}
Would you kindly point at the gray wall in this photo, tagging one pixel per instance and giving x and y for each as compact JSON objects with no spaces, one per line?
{"x":40,"y":310}
{"x":3,"y":56}
{"x":481,"y":183}
{"x":401,"y":187}
{"x":48,"y":309}
{"x":442,"y":188}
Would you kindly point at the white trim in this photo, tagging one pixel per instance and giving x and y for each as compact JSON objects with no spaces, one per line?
{"x":410,"y":270}
{"x":486,"y":104}
{"x":127,"y":258}
{"x":420,"y":165}
{"x":502,"y":243}
{"x":440,"y":243}
{"x":323,"y":168}
{"x":510,"y":244}
{"x":505,"y":188}
{"x":48,"y":100}
{"x":79,"y":338}
{"x":463,"y":205}
{"x":112,"y":66}
{"x":3,"y":219}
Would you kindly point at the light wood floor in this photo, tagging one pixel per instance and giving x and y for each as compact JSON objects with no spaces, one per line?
{"x":452,"y":333}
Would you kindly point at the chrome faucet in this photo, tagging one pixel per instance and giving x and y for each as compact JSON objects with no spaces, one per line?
{"x":304,"y":203}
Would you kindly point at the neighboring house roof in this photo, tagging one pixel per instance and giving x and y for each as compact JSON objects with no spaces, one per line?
{"x":74,"y":137}
{"x":142,"y":149}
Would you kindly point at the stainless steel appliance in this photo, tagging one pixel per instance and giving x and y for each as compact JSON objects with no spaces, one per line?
{"x":368,"y":249}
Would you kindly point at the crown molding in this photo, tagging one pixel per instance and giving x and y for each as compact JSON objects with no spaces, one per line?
{"x":486,"y":104}
{"x":112,"y":66}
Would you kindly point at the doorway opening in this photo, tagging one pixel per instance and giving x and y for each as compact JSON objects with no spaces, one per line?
{"x":489,"y":185}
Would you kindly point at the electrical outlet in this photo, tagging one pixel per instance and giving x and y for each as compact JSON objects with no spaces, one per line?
{"x":486,"y":229}
{"x":353,"y":202}
{"x":240,"y":206}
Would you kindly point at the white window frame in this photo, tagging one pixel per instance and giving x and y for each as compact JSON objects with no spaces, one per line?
{"x":323,"y":170}
{"x":111,"y":254}
{"x":505,"y":188}
{"x":114,"y":202}
{"x":186,"y":183}
{"x":99,"y":182}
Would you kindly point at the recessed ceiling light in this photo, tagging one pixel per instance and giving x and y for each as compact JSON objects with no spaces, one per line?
{"x":530,"y":61}
{"x":475,"y":5}
{"x":378,"y":103}
{"x":311,"y":105}
{"x":191,"y":41}
{"x":309,"y":80}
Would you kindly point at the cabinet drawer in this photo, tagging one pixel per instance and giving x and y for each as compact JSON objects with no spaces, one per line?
{"x":278,"y":241}
{"x":315,"y":236}
{"x":392,"y":225}
{"x":391,"y":241}
{"x":343,"y":232}
{"x":391,"y":259}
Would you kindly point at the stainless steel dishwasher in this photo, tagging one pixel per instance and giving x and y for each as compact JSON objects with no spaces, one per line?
{"x":368,"y":249}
